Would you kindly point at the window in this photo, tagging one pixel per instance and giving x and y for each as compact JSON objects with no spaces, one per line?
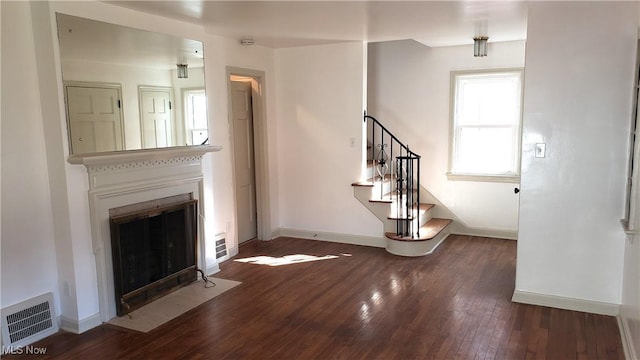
{"x":196,"y":117}
{"x":486,"y":116}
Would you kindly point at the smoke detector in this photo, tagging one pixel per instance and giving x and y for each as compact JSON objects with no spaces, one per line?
{"x":247,"y":41}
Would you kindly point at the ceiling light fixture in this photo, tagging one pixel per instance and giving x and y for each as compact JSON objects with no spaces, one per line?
{"x":183,"y":73}
{"x":480,"y":46}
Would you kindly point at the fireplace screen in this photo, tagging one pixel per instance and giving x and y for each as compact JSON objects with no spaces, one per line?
{"x":154,"y":253}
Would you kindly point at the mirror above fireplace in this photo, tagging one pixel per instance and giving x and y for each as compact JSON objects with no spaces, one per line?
{"x":130,"y":89}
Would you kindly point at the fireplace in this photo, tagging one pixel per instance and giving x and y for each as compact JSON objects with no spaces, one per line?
{"x":135,"y":181}
{"x":153,"y":251}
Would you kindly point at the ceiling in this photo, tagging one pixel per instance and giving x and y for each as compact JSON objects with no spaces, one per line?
{"x":279,"y":24}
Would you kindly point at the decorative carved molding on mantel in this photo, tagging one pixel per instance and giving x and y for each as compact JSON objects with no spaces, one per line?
{"x":135,"y":156}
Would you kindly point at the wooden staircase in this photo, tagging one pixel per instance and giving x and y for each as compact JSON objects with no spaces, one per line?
{"x":380,"y":196}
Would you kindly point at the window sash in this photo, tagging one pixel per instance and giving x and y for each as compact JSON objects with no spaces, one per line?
{"x":503,"y":147}
{"x":486,"y":140}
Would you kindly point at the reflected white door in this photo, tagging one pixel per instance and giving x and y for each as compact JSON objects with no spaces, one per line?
{"x":242,"y":115}
{"x":95,"y":120}
{"x":155,"y":117}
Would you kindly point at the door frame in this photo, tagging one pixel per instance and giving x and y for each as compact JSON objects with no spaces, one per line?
{"x":260,"y":149}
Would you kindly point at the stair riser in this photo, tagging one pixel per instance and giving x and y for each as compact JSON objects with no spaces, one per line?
{"x":390,"y":225}
{"x":369,"y":172}
{"x":424,"y":215}
{"x":380,"y":210}
{"x":380,"y":189}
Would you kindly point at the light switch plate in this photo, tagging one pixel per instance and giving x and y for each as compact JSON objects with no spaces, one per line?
{"x":541,"y":150}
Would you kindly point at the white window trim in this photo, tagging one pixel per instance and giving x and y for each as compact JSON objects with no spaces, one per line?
{"x":502,"y":178}
{"x":187,"y":129}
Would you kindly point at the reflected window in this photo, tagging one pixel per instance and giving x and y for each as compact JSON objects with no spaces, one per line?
{"x":196,"y":117}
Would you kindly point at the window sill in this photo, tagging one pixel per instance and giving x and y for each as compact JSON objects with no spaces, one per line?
{"x":484,"y":178}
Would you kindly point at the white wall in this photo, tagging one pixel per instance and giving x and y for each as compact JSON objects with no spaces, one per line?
{"x":578,"y":100}
{"x":319,"y":99}
{"x":228,"y":52}
{"x":409,"y":90}
{"x":28,"y":245}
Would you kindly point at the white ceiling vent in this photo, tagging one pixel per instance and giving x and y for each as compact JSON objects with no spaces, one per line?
{"x":28,"y":321}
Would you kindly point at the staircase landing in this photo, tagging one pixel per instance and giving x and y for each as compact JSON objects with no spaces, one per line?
{"x":433,"y":231}
{"x":431,"y":234}
{"x":427,"y":232}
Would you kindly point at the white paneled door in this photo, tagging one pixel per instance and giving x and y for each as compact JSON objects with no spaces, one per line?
{"x":242,"y":114}
{"x":155,"y":117}
{"x":95,"y":119}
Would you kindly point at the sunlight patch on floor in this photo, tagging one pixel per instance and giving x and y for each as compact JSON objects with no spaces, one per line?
{"x":284,"y":260}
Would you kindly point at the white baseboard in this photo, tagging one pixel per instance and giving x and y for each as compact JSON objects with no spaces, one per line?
{"x":566,"y":303}
{"x":627,"y":340}
{"x":460,"y":229}
{"x":80,"y":326}
{"x":334,"y":237}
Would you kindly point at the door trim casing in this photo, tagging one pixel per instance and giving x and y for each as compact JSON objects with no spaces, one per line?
{"x":260,"y":149}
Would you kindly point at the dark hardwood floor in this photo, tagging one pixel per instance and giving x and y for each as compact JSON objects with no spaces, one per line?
{"x":364,"y":304}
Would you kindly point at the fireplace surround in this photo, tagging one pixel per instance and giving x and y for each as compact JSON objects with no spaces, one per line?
{"x":127,"y":178}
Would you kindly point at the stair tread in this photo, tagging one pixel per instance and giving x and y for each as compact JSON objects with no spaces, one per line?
{"x":383,"y":200}
{"x":427,"y":232}
{"x":387,"y":177}
{"x":362,"y":183}
{"x":424,"y":207}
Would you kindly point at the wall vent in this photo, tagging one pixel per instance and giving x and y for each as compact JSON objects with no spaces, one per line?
{"x":221,"y":246}
{"x":28,"y":321}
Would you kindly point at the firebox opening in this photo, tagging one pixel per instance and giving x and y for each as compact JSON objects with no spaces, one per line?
{"x":153,"y":252}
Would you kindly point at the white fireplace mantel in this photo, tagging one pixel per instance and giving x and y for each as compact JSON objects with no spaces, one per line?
{"x":120,"y":157}
{"x":128,"y":177}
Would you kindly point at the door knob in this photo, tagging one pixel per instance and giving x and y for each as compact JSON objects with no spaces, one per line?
{"x":516,"y":190}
